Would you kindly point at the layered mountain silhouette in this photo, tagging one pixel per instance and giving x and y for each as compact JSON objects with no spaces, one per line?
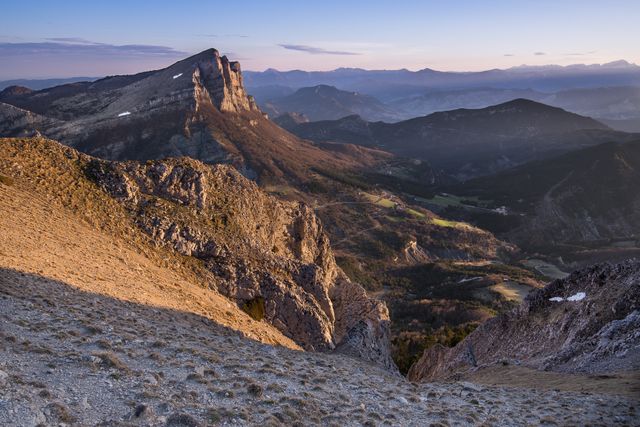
{"x":586,"y":195}
{"x":37,"y":84}
{"x":324,"y":102}
{"x":608,"y":103}
{"x":391,"y":84}
{"x":468,"y":143}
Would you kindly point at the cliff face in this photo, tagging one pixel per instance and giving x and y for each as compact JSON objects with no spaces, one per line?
{"x":263,"y":252}
{"x":588,"y":322}
{"x":223,"y":81}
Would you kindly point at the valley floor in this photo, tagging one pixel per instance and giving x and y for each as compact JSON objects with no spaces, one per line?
{"x":80,"y":358}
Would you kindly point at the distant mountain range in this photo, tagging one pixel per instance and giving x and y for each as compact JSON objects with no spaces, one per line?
{"x":469,"y":143}
{"x":612,"y":103}
{"x":37,"y":84}
{"x":387,"y":85}
{"x":620,"y":104}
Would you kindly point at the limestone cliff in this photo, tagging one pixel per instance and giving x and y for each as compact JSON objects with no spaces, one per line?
{"x":261,"y":250}
{"x":223,"y":80}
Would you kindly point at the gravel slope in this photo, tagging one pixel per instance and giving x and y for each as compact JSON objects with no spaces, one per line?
{"x":78,"y":358}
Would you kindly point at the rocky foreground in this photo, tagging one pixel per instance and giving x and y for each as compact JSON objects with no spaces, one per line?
{"x":588,"y":323}
{"x":70,"y":357}
{"x":126,"y":294}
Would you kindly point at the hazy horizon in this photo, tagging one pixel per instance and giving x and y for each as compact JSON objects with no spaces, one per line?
{"x":62,"y":77}
{"x":76,"y":39}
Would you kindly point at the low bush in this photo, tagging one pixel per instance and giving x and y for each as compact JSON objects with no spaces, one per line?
{"x":254,"y":308}
{"x":8,"y":181}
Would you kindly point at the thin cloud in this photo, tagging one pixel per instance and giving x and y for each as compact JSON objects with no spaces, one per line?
{"x":76,"y":46}
{"x":509,"y":54}
{"x":315,"y":50}
{"x":580,"y":53}
{"x":539,"y":53}
{"x":74,"y":40}
{"x":213,"y":36}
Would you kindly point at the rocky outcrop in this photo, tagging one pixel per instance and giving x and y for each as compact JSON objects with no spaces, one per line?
{"x":223,"y":80}
{"x":588,"y":322}
{"x":362,"y":323}
{"x":259,"y":249}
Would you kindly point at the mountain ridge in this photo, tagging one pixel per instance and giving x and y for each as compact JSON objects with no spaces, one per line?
{"x":197,"y":107}
{"x":324,"y":102}
{"x":555,"y":329}
{"x":471,"y":142}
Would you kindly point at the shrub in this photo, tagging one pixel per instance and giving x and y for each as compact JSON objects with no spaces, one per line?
{"x":254,"y":308}
{"x":255,"y":390}
{"x":110,"y":360}
{"x":181,"y":420}
{"x":59,"y":411}
{"x":408,"y":347}
{"x":6,"y":180}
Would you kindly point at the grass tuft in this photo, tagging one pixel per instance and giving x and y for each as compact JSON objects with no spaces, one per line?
{"x":8,"y":181}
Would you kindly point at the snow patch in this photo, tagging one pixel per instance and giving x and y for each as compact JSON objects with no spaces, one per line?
{"x":126,"y":113}
{"x":577,"y":297}
{"x":177,"y":75}
{"x":470,"y":279}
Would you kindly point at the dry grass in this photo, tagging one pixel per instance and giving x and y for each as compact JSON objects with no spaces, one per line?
{"x":64,"y":227}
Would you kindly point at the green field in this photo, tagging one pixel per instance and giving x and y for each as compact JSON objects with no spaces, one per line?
{"x":380,"y":201}
{"x":416,"y":213}
{"x":451,"y":224}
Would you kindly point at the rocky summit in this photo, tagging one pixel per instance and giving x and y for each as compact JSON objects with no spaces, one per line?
{"x":197,"y":107}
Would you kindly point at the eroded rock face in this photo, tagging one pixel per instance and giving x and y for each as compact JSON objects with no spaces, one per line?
{"x":223,"y":80}
{"x":257,"y":246}
{"x":588,"y":322}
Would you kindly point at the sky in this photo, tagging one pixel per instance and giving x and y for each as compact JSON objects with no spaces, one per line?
{"x":45,"y":39}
